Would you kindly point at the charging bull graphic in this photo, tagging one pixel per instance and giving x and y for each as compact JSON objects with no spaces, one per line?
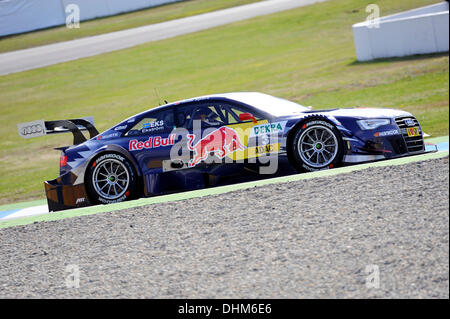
{"x":220,"y":142}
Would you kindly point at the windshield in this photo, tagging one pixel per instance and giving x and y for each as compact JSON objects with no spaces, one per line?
{"x":273,"y":105}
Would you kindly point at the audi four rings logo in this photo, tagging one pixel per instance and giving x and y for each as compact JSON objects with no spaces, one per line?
{"x":32,"y":129}
{"x":409,"y":122}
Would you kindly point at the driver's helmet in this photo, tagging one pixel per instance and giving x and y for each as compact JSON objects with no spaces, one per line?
{"x":206,"y":114}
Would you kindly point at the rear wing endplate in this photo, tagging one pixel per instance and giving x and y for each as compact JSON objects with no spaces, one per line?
{"x":74,"y":126}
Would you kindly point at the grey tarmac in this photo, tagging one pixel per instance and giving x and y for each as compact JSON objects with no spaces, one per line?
{"x":41,"y":56}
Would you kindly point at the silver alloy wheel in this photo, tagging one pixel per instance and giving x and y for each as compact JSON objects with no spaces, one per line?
{"x":110,"y":179}
{"x":317,"y":146}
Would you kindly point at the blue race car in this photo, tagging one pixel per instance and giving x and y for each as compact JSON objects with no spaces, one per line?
{"x":193,"y":143}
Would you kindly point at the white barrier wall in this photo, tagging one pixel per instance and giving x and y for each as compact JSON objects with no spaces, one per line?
{"x":17,"y":16}
{"x":418,"y":31}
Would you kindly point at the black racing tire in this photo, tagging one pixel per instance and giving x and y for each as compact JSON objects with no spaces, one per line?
{"x":316,"y":145}
{"x":110,"y":178}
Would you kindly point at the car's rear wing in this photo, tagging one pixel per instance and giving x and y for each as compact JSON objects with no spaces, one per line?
{"x":74,"y":126}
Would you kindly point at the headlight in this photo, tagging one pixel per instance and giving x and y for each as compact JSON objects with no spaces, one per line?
{"x":372,"y":123}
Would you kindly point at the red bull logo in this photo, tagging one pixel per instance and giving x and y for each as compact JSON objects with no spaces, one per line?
{"x":220,"y":142}
{"x":152,"y":142}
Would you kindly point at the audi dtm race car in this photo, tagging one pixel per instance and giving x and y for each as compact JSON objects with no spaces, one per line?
{"x":192,"y":143}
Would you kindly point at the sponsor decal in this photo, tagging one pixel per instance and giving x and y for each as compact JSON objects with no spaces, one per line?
{"x":106,"y":201}
{"x":152,"y":142}
{"x":120,"y":128}
{"x":387,"y":133}
{"x":269,"y":128}
{"x":81,"y":200}
{"x":262,"y":150}
{"x":111,"y":135}
{"x":317,"y":122}
{"x":220,"y":142}
{"x":153,"y":124}
{"x":116,"y":156}
{"x":153,"y":129}
{"x":269,"y":148}
{"x":311,"y":169}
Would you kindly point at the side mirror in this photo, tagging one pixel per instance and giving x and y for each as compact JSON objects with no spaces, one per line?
{"x":247,"y":116}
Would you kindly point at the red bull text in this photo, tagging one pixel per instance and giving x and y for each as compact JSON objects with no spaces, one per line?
{"x":152,"y":142}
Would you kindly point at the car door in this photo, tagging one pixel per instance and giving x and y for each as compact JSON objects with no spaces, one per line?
{"x":215,"y":129}
{"x":250,"y":131}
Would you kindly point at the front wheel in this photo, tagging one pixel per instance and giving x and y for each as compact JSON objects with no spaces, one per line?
{"x":317,"y":145}
{"x":110,"y":178}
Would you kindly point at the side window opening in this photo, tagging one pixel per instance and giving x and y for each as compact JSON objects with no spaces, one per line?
{"x":233,"y":113}
{"x":213,"y":114}
{"x":209,"y":114}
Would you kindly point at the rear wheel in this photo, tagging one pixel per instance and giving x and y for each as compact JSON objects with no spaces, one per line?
{"x":317,"y":145}
{"x":110,"y":179}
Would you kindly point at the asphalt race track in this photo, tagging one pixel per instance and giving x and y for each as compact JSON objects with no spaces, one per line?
{"x":305,"y":239}
{"x":41,"y":56}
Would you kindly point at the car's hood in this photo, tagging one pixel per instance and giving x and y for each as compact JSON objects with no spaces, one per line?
{"x":367,"y":113}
